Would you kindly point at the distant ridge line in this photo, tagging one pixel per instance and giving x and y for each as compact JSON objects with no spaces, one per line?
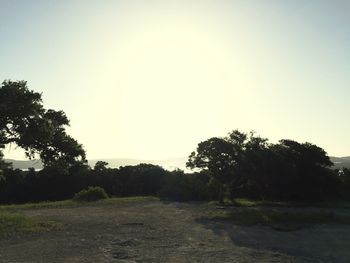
{"x":169,"y":163}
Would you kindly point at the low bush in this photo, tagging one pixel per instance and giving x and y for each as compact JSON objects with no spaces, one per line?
{"x":92,"y":193}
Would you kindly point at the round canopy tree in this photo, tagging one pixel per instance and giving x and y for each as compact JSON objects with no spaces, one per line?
{"x":246,"y":165}
{"x":25,"y":122}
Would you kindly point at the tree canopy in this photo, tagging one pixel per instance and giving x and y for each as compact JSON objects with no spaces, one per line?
{"x":243,"y":163}
{"x":237,"y":165}
{"x":25,"y":122}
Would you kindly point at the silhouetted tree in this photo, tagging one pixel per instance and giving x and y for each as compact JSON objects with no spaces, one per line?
{"x":303,"y":170}
{"x":3,"y":165}
{"x":25,"y":122}
{"x":100,"y":166}
{"x":223,"y":158}
{"x":247,"y":165}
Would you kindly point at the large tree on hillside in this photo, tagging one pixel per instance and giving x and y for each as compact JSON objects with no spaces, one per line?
{"x":302,"y":170}
{"x":25,"y":122}
{"x":247,"y":165}
{"x":226,"y":159}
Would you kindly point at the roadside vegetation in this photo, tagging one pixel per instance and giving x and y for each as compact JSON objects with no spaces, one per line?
{"x":278,"y":219}
{"x":17,"y":224}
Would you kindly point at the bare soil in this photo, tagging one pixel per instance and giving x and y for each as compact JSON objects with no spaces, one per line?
{"x":156,"y":231}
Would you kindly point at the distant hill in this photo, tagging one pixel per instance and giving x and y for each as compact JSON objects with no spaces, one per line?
{"x":169,"y":163}
{"x":341,"y":162}
{"x":25,"y":164}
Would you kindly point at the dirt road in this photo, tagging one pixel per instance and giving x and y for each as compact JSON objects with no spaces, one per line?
{"x":155,"y":231}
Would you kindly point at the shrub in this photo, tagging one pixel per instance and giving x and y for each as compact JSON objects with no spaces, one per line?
{"x":92,"y":193}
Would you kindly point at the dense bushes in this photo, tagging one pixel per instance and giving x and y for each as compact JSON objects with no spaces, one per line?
{"x":53,"y":184}
{"x":92,"y":193}
{"x":184,"y":187}
{"x":145,"y":179}
{"x":246,"y":165}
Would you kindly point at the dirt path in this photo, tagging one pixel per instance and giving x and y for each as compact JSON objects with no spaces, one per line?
{"x":154,"y":231}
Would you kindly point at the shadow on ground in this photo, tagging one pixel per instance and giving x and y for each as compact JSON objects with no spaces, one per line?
{"x":313,"y":243}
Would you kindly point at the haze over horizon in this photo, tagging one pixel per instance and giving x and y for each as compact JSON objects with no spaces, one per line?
{"x":151,"y":79}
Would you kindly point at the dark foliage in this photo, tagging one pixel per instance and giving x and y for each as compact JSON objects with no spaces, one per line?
{"x":92,"y":193}
{"x":25,"y":122}
{"x":238,"y":165}
{"x":246,"y":165}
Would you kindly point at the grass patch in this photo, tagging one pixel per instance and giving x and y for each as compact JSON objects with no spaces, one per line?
{"x":71,"y":203}
{"x":279,"y":220}
{"x":243,"y":202}
{"x":14,"y":223}
{"x":328,"y":204}
{"x":117,"y":200}
{"x":45,"y":204}
{"x":131,"y":199}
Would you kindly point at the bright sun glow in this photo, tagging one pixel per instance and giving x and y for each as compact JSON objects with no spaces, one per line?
{"x":165,"y":83}
{"x":151,"y":79}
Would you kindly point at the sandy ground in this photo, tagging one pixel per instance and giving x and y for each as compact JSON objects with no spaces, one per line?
{"x":155,"y":231}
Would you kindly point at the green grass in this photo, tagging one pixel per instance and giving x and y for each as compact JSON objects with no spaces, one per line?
{"x":130,"y":199}
{"x":14,"y":223}
{"x":329,"y":204}
{"x":46,"y":204}
{"x":243,"y":202}
{"x":279,"y":220}
{"x":71,"y":203}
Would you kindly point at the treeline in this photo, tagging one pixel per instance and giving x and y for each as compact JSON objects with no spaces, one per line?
{"x":245,"y":165}
{"x":19,"y":186}
{"x":237,"y":165}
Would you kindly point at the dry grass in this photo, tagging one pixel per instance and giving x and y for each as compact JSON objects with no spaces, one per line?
{"x":14,"y":224}
{"x":279,"y":220}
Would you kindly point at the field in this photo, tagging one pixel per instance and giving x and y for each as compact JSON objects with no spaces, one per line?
{"x":145,"y":229}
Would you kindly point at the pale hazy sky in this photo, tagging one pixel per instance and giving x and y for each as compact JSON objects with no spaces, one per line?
{"x":151,"y":79}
